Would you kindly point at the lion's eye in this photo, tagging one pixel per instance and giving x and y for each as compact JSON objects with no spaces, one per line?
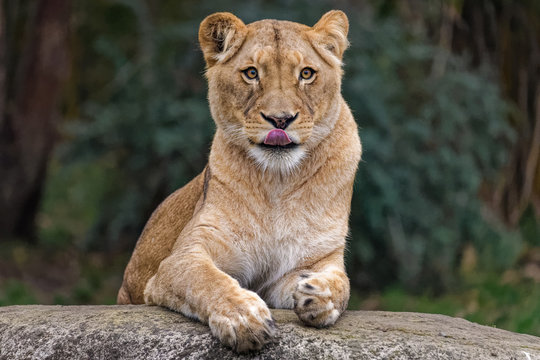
{"x":307,"y":73}
{"x":251,"y":73}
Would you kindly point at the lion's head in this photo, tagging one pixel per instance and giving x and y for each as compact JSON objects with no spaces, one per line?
{"x":274,"y":86}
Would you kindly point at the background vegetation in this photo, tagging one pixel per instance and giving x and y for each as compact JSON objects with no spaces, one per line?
{"x":103,"y":114}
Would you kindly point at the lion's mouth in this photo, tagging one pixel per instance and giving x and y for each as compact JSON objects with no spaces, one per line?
{"x":277,"y":137}
{"x":279,"y":147}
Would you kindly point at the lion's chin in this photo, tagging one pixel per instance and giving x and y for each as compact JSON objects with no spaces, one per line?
{"x":281,"y":159}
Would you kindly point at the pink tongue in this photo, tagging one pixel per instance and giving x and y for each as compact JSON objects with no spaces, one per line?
{"x":277,"y":137}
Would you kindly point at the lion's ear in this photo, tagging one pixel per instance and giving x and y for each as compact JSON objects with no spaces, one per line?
{"x":330,"y":34}
{"x":220,"y":36}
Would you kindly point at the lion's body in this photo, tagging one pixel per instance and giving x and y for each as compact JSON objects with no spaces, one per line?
{"x":264,"y":221}
{"x":158,"y":239}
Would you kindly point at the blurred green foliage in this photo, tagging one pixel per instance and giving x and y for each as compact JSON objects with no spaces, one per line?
{"x":429,"y":143}
{"x":139,"y":127}
{"x":14,"y":292}
{"x":483,"y":299}
{"x":57,"y":274}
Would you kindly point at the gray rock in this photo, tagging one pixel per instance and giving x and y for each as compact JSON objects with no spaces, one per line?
{"x":145,"y":332}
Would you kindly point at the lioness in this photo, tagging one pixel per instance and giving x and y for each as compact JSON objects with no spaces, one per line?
{"x":265,"y":223}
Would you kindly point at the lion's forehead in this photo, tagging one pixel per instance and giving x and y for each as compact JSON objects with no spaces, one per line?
{"x":267,"y":54}
{"x":277,"y":30}
{"x":270,"y":38}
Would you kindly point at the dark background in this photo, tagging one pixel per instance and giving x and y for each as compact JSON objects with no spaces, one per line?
{"x":103,"y":113}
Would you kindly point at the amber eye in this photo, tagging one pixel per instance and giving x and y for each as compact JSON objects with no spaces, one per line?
{"x":251,"y":73}
{"x":307,"y":73}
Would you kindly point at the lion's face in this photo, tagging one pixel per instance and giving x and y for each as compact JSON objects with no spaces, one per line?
{"x":274,"y":86}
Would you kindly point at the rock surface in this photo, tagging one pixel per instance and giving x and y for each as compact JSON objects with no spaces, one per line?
{"x":144,"y":332}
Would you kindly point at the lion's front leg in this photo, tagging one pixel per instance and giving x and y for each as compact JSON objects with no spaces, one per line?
{"x":320,"y":297}
{"x":189,"y":282}
{"x":318,"y":294}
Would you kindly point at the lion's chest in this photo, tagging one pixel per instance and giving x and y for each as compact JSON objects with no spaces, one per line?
{"x":278,"y":227}
{"x":287,"y":238}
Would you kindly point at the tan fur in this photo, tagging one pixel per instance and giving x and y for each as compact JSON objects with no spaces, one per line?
{"x":261,"y":226}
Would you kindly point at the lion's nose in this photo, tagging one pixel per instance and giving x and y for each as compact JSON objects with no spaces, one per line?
{"x":280,"y":121}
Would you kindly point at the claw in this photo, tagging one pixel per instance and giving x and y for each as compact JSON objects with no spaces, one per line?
{"x":271,"y":323}
{"x":308,"y":286}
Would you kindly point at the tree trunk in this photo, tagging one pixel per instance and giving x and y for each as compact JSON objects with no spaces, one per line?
{"x":507,"y":34}
{"x":35,"y":74}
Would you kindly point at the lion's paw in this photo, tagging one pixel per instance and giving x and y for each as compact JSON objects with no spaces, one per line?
{"x":243,"y":322}
{"x":313,"y":302}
